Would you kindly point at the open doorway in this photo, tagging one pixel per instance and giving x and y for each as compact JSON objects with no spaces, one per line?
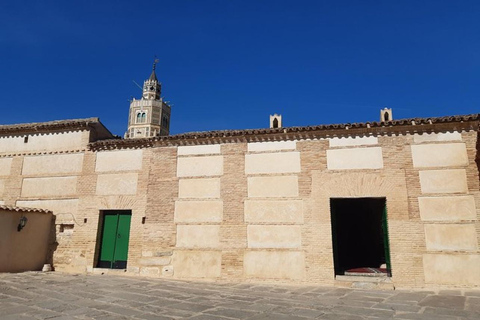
{"x":360,"y":236}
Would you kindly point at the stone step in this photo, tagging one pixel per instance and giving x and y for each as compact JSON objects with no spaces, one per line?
{"x":364,"y":282}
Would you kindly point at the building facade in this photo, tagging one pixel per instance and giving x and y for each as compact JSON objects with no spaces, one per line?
{"x":323,"y":205}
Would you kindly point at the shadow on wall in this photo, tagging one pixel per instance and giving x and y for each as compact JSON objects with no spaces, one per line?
{"x":27,"y":239}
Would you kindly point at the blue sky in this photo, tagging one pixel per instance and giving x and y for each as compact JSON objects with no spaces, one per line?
{"x":229,"y":64}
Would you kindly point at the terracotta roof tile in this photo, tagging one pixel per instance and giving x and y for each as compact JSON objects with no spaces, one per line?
{"x":23,"y":209}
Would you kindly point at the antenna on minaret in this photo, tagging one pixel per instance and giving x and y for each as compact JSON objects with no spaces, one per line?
{"x":137,"y":85}
{"x":155,"y":61}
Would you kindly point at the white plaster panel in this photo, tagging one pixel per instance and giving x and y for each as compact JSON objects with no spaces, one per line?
{"x":197,"y":264}
{"x":271,"y":146}
{"x":443,"y":181}
{"x":198,"y":236}
{"x":64,"y":209}
{"x":5,"y":166}
{"x":200,"y":166}
{"x":452,"y":269}
{"x":274,"y":264}
{"x":119,"y":160}
{"x":451,"y":237}
{"x":276,"y":186}
{"x":196,"y":150}
{"x":117,"y":184}
{"x":199,"y":188}
{"x":283,"y":162}
{"x":352,"y":141}
{"x":356,"y":158}
{"x":198,"y":211}
{"x":434,"y":137}
{"x":439,"y":155}
{"x":447,"y":208}
{"x":49,"y":187}
{"x":274,"y":211}
{"x":264,"y":236}
{"x":43,"y":142}
{"x":58,"y":163}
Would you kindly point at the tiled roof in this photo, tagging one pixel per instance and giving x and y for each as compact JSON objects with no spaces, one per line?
{"x":345,"y":129}
{"x":23,"y":209}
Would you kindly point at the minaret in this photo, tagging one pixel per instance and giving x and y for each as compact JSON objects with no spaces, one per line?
{"x":149,"y":116}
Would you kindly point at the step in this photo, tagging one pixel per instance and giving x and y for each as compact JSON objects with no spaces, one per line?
{"x":364,"y":282}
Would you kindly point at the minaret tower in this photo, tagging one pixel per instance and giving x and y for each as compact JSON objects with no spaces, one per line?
{"x":149,"y":116}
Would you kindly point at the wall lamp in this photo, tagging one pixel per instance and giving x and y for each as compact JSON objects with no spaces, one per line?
{"x":22,"y":223}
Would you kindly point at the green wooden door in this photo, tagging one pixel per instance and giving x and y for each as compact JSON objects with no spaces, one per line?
{"x":386,"y":243}
{"x":115,"y":238}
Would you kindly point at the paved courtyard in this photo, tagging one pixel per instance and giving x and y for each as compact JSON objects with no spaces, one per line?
{"x":35,"y":295}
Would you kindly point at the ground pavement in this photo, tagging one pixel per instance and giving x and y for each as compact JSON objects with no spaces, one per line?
{"x":53,"y":295}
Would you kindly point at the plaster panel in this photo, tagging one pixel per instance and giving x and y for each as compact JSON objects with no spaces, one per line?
{"x":119,"y":160}
{"x":283,"y":162}
{"x":274,"y":264}
{"x":2,"y":186}
{"x":2,"y":202}
{"x":451,"y":237}
{"x":277,"y":186}
{"x":271,"y":146}
{"x":274,"y":211}
{"x":443,"y":181}
{"x":43,"y":142}
{"x":264,"y":236}
{"x":5,"y":166}
{"x":202,"y":149}
{"x":434,"y":137}
{"x":352,"y":141}
{"x":117,"y":184}
{"x":198,"y":211}
{"x":452,"y":269}
{"x":197,"y":264}
{"x":64,"y":209}
{"x":200,"y":166}
{"x":439,"y":155}
{"x":49,"y":187}
{"x":198,"y":236}
{"x":58,"y":163}
{"x":199,"y":188}
{"x":447,"y":208}
{"x":356,"y":158}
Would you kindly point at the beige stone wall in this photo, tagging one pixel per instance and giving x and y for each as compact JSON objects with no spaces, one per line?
{"x":38,"y":142}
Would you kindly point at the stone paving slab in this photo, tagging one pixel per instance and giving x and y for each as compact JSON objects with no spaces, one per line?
{"x":57,"y":296}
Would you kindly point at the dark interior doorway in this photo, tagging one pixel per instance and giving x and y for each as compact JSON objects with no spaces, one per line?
{"x":360,"y":235}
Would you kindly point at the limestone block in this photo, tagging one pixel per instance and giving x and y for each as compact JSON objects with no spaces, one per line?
{"x":454,"y":208}
{"x":273,"y":211}
{"x":264,"y":236}
{"x":5,"y":166}
{"x":452,"y":269}
{"x":150,"y":270}
{"x":117,"y":184}
{"x":119,"y":160}
{"x":198,"y":236}
{"x":355,"y":158}
{"x":451,"y":237}
{"x":434,"y":137}
{"x":155,"y":261}
{"x":200,"y":166}
{"x":271,"y":146}
{"x":2,"y":186}
{"x":198,"y":211}
{"x":439,"y":155}
{"x":64,"y":209}
{"x":276,"y":186}
{"x":443,"y":181}
{"x":196,"y":150}
{"x":274,"y":264}
{"x":52,"y":164}
{"x":280,"y":162}
{"x":197,"y":264}
{"x":352,"y":141}
{"x":199,"y":188}
{"x":49,"y":187}
{"x":2,"y":202}
{"x":71,"y":140}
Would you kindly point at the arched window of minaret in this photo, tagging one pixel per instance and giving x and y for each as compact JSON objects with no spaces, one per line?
{"x":139,"y":117}
{"x":386,"y":116}
{"x":144,"y":117}
{"x":275,"y":123}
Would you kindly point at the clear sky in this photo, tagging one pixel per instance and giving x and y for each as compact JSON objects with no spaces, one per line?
{"x":229,"y":64}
